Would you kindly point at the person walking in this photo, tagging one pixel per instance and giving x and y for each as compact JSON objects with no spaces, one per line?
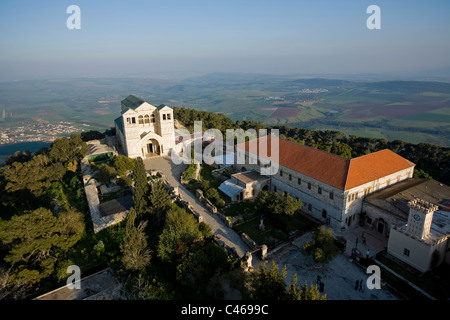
{"x":356,"y":285}
{"x":367,"y":254}
{"x":360,"y":285}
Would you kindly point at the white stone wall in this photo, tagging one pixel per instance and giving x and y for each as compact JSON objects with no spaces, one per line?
{"x":353,"y":197}
{"x":420,"y":253}
{"x":310,"y":203}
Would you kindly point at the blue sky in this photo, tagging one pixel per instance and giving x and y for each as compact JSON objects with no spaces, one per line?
{"x":168,"y":37}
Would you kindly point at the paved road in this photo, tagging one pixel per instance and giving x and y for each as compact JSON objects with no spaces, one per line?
{"x":172,"y":174}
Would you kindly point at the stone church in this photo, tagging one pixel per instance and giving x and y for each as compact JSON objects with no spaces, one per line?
{"x":144,"y":130}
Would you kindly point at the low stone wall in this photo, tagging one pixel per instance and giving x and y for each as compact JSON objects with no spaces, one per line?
{"x":205,"y":201}
{"x":230,"y":250}
{"x":248,"y":241}
{"x":189,"y":208}
{"x":90,"y":188}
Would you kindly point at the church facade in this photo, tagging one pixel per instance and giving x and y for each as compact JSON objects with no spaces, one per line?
{"x":144,"y":130}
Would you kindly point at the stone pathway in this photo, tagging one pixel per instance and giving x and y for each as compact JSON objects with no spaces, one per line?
{"x":172,"y":174}
{"x":375,"y":241}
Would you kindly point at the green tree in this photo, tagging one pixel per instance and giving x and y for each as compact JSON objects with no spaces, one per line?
{"x":287,"y":205}
{"x":34,"y":176}
{"x":269,"y":284}
{"x":323,"y":246}
{"x":271,"y":203}
{"x":19,"y":156}
{"x":205,"y":229}
{"x":123,"y":164}
{"x":213,"y":195}
{"x":159,"y":200}
{"x":141,"y":187}
{"x":341,"y":149}
{"x":35,"y":239}
{"x":105,"y":173}
{"x":265,"y":201}
{"x":198,"y":265}
{"x":65,"y":150}
{"x":125,"y":182}
{"x":11,"y":289}
{"x":303,"y":292}
{"x":180,"y":230}
{"x":419,"y":173}
{"x":136,"y":254}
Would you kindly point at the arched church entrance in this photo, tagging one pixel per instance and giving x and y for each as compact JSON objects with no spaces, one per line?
{"x":152,"y":148}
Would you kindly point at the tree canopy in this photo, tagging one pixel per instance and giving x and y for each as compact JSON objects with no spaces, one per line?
{"x":180,"y":230}
{"x":141,"y":187}
{"x":34,"y":175}
{"x":35,"y":239}
{"x":272,"y":203}
{"x":323,"y":245}
{"x":136,"y":254}
{"x":270,"y":283}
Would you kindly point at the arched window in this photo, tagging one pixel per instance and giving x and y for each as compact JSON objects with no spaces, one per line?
{"x":146,"y":119}
{"x":141,"y":120}
{"x":152,"y":118}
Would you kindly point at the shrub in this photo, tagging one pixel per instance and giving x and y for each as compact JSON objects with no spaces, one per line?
{"x":323,"y":247}
{"x":307,"y":248}
{"x":319,"y":255}
{"x":105,"y":173}
{"x":123,"y":164}
{"x":205,"y":230}
{"x":189,"y":172}
{"x":125,"y":182}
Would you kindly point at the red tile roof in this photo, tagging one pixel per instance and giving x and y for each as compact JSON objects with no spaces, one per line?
{"x":334,"y":170}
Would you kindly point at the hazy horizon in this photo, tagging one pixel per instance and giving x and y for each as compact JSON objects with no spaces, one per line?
{"x":180,"y":39}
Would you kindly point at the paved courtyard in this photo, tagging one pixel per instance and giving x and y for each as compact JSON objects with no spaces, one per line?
{"x":375,"y":242}
{"x":339,"y":276}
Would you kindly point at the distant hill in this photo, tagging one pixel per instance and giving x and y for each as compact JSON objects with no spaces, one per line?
{"x":415,"y":111}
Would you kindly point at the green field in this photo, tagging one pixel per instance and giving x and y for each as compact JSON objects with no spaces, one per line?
{"x":413,"y":111}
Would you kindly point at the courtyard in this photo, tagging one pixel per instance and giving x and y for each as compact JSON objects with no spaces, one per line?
{"x":339,"y":275}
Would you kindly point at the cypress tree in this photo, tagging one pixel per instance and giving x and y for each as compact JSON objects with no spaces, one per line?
{"x":136,"y":254}
{"x":159,"y":200}
{"x":141,"y":187}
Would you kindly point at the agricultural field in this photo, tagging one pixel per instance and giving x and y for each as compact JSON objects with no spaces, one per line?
{"x":414,"y":111}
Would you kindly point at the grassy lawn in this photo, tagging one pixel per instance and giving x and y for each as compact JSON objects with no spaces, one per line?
{"x":276,"y":229}
{"x":267,"y":237}
{"x":114,"y":195}
{"x":206,"y":174}
{"x":425,"y":282}
{"x":242,"y":208}
{"x":295,"y":222}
